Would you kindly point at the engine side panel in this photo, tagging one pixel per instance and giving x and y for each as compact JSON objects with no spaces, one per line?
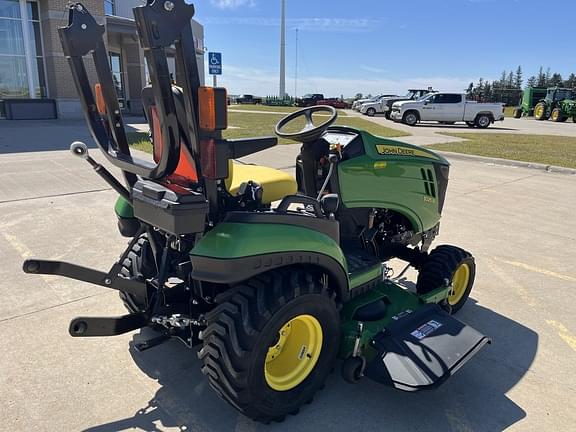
{"x":397,"y":176}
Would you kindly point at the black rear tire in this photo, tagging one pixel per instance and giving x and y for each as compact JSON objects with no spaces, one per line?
{"x":139,"y":264}
{"x":242,"y":330}
{"x":540,"y":111}
{"x":370,"y":112}
{"x":441,"y":267}
{"x":483,"y":121}
{"x":517,"y":113}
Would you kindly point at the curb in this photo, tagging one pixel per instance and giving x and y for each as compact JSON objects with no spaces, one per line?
{"x":508,"y":162}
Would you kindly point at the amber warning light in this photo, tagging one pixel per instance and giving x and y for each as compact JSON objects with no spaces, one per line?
{"x":213,"y":108}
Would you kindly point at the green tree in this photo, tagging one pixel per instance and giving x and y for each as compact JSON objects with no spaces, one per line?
{"x":556,"y":80}
{"x":532,"y":81}
{"x":541,"y":78}
{"x":571,"y":81}
{"x":518,"y":78}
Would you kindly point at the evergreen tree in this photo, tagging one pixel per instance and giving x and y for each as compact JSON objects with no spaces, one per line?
{"x":532,"y":81}
{"x":518,"y":78}
{"x":571,"y":81}
{"x":541,"y":80}
{"x":548,"y":77}
{"x":556,"y":80}
{"x":510,"y":81}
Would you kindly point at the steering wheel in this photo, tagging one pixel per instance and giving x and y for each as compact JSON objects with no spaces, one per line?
{"x":310,"y":132}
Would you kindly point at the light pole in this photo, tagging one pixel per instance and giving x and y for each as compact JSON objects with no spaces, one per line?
{"x":296,"y":69}
{"x":283,"y":50}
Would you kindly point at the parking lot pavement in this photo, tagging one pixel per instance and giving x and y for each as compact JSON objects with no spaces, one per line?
{"x":429,"y":132}
{"x":519,"y":224}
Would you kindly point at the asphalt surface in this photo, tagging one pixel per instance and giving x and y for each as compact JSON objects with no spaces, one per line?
{"x":519,"y":223}
{"x":425,"y":133}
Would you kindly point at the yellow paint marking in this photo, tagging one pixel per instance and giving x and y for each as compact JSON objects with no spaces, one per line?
{"x":564,"y":333}
{"x":25,"y":253}
{"x":508,"y":280}
{"x":20,"y":247}
{"x":539,"y":270}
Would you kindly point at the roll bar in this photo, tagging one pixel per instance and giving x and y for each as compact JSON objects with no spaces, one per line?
{"x":160,"y":25}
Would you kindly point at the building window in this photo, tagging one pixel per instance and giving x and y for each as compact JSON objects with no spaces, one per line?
{"x":21,"y":62}
{"x":109,"y":8}
{"x":117,"y":77}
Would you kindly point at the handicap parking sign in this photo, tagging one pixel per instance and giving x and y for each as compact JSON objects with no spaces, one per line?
{"x":215,"y":63}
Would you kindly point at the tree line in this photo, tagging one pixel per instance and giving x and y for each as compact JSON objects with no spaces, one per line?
{"x":508,"y":89}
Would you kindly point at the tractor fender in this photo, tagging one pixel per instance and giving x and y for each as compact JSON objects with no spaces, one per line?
{"x":234,"y":252}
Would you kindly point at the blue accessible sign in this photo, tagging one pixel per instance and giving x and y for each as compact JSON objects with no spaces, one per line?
{"x":215,"y":63}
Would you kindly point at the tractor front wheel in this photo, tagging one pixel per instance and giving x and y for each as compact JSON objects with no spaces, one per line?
{"x":269,"y":347}
{"x":557,"y":116}
{"x":540,"y":111}
{"x":452,"y":265}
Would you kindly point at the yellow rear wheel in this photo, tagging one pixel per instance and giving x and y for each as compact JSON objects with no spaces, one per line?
{"x":540,"y":112}
{"x":270,"y":346}
{"x":293,"y":357}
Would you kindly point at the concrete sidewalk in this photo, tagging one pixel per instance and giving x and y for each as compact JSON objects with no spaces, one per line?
{"x":518,"y":223}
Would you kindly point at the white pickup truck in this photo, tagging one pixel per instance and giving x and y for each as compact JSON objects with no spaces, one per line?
{"x":447,"y":108}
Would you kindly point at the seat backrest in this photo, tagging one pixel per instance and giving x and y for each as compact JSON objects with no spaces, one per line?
{"x":185,"y":172}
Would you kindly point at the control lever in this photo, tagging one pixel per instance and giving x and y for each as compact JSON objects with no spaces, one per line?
{"x":80,"y":149}
{"x":332,"y":160}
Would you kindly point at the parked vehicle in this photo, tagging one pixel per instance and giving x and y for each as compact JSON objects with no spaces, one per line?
{"x":334,"y":102}
{"x":447,"y":108}
{"x":413,"y":94}
{"x":530,"y":98}
{"x":375,"y":106}
{"x":558,"y":105}
{"x":309,"y":100}
{"x":270,"y":296}
{"x":249,"y":99}
{"x":359,"y":102}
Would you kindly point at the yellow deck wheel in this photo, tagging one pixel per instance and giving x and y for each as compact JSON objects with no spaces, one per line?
{"x":459,"y":284}
{"x":291,"y":360}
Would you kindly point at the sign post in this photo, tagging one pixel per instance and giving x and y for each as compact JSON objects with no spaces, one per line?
{"x":215,"y":66}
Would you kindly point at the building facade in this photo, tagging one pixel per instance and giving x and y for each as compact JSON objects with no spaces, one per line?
{"x":35,"y":80}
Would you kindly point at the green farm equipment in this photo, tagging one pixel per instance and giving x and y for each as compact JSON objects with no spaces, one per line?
{"x":530,"y":97}
{"x":271,"y":277}
{"x":558,"y":105}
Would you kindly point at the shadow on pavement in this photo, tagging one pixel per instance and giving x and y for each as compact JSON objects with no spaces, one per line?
{"x":474,"y":399}
{"x":21,"y":136}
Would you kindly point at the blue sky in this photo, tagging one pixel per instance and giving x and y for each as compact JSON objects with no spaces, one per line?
{"x":374,"y":46}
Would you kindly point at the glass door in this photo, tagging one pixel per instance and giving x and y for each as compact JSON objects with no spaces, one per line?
{"x":118,"y":77}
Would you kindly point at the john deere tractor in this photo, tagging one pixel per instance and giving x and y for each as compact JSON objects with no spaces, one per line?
{"x":269,"y":277}
{"x":530,"y":97}
{"x":558,"y":105}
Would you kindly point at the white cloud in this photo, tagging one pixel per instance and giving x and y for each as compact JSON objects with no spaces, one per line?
{"x":232,"y":4}
{"x":357,"y":25}
{"x":263,"y":82}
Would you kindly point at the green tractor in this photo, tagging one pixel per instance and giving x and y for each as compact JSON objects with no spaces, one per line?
{"x":530,"y":97}
{"x":558,"y":105}
{"x":271,"y":277}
